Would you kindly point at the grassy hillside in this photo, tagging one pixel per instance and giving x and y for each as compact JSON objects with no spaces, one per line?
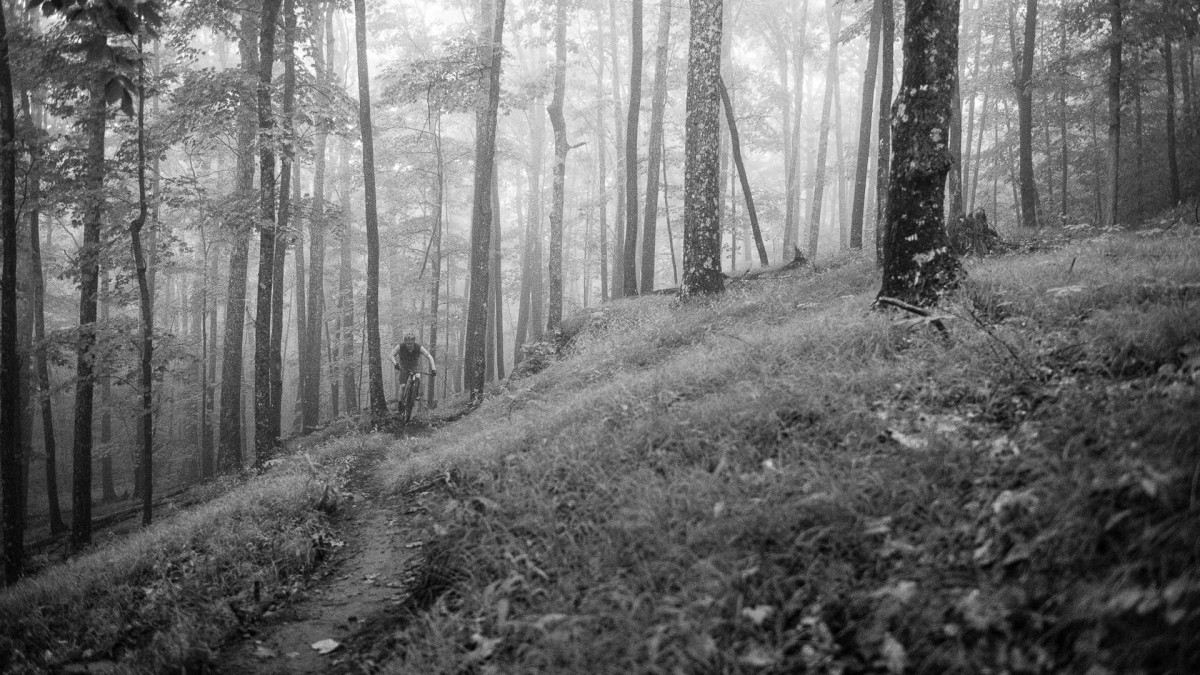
{"x":781,"y":479}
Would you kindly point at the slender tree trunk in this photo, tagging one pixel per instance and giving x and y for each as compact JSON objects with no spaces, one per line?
{"x":147,"y":307}
{"x":1172,"y":159}
{"x":793,"y":191}
{"x":491,"y":53}
{"x":831,"y":70}
{"x":559,"y":124}
{"x":918,"y":266}
{"x":731,"y":122}
{"x":657,"y":106}
{"x":283,"y":221}
{"x":378,"y":401}
{"x":89,"y":279}
{"x":436,"y":245}
{"x":345,"y":307}
{"x":667,"y":213}
{"x":496,"y":324}
{"x":617,"y":287}
{"x":629,"y":267}
{"x":11,"y":461}
{"x":887,"y":38}
{"x":264,"y":440}
{"x":1112,"y":186}
{"x":311,"y":364}
{"x":858,"y":207}
{"x":529,"y":321}
{"x":600,"y":158}
{"x":701,"y":206}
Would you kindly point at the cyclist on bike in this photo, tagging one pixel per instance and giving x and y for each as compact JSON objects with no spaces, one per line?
{"x":406,"y":357}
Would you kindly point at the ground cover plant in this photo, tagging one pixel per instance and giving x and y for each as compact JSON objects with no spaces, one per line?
{"x":783,"y":480}
{"x":168,"y":596}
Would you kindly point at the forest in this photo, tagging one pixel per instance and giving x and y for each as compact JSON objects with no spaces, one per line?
{"x":219,"y":215}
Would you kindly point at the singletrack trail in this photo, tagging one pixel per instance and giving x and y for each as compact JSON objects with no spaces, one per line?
{"x":366,"y":580}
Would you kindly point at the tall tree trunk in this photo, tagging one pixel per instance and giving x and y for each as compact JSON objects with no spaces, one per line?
{"x":264,"y":440}
{"x":701,"y":205}
{"x":147,"y":306}
{"x":345,"y":322}
{"x":658,"y":104}
{"x":529,"y":315}
{"x":791,"y":234}
{"x":667,"y":213}
{"x":834,"y":16}
{"x":282,"y":231}
{"x":491,"y":53}
{"x":857,"y":207}
{"x":311,"y":365}
{"x":600,"y":158}
{"x":887,"y":38}
{"x":731,"y":122}
{"x":208,"y":440}
{"x":918,"y":266}
{"x":378,"y":401}
{"x":89,"y":281}
{"x":1024,"y":86}
{"x":1172,"y":159}
{"x":435,"y":280}
{"x":629,"y":267}
{"x":559,"y":124}
{"x":617,"y":285}
{"x":1112,"y":186}
{"x":11,"y":461}
{"x":496,"y":323}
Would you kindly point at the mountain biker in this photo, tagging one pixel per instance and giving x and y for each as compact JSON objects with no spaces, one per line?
{"x":406,"y":358}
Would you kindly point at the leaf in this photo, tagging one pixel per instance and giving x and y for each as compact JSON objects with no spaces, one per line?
{"x":895,"y":658}
{"x":326,"y":646}
{"x":758,"y":614}
{"x":758,"y":656}
{"x":905,"y":440}
{"x":264,"y":653}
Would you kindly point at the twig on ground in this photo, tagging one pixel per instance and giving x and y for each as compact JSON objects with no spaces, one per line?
{"x":900,"y":304}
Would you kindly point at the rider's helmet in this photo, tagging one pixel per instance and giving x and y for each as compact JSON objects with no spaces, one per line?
{"x":409,"y":339}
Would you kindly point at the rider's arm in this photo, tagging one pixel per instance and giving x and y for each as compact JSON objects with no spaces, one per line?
{"x":432,"y":363}
{"x":396,"y":356}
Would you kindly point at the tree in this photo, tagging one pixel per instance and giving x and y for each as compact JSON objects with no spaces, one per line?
{"x":629,"y":261}
{"x":701,"y":207}
{"x":490,"y":57}
{"x":559,"y":125}
{"x":11,"y":462}
{"x":834,"y":17}
{"x":735,"y":142}
{"x":883,"y":176}
{"x":655,"y":159}
{"x":310,"y":360}
{"x":264,"y":432}
{"x":857,"y":208}
{"x":1112,"y":186}
{"x":1024,"y":85}
{"x":378,"y":402}
{"x":918,"y":266}
{"x":283,"y":220}
{"x":146,"y":302}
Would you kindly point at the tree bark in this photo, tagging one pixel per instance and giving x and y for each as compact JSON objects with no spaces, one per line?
{"x":264,"y":440}
{"x":918,"y":265}
{"x":559,"y":124}
{"x":702,"y":220}
{"x":731,"y":122}
{"x":1172,"y":158}
{"x":11,"y":460}
{"x":490,"y":54}
{"x":617,"y":282}
{"x":345,"y":322}
{"x":282,"y":231}
{"x":378,"y":401}
{"x":529,"y":314}
{"x":436,"y":245}
{"x":887,"y":38}
{"x":311,"y":365}
{"x":629,"y":266}
{"x":858,"y":207}
{"x":1024,"y":86}
{"x":146,"y":300}
{"x":834,"y":15}
{"x":600,"y":158}
{"x":1113,"y":183}
{"x":658,"y":105}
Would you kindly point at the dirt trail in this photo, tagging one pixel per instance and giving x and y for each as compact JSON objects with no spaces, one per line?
{"x":382,"y":538}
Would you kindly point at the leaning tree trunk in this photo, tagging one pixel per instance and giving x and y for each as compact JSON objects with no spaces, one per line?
{"x":378,"y":401}
{"x":264,"y":439}
{"x":736,"y":145}
{"x":658,"y":104}
{"x":701,"y":206}
{"x":490,"y":53}
{"x":918,"y":266}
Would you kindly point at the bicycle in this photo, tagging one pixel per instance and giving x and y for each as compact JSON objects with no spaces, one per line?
{"x":410,"y":391}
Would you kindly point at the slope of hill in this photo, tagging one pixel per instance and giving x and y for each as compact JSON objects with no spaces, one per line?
{"x":781,"y":479}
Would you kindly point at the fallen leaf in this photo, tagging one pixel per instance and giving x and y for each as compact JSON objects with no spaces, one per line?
{"x":895,"y":658}
{"x":759,"y":614}
{"x":264,"y":652}
{"x":759,"y":657}
{"x":718,"y":509}
{"x":907,"y":441}
{"x":326,"y":646}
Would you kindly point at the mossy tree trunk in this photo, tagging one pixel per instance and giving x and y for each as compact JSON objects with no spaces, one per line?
{"x":701,"y":195}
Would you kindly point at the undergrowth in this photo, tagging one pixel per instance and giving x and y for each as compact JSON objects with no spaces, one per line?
{"x":783,"y":480}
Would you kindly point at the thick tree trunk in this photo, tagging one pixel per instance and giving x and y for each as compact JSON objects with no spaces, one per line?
{"x":378,"y":401}
{"x":264,"y":440}
{"x":701,"y":206}
{"x":918,"y":266}
{"x":1112,"y":186}
{"x":658,"y":105}
{"x":731,"y":122}
{"x":229,"y":449}
{"x":630,"y":262}
{"x":559,"y":124}
{"x":857,"y":208}
{"x":11,"y":461}
{"x":1024,"y":86}
{"x":491,"y":53}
